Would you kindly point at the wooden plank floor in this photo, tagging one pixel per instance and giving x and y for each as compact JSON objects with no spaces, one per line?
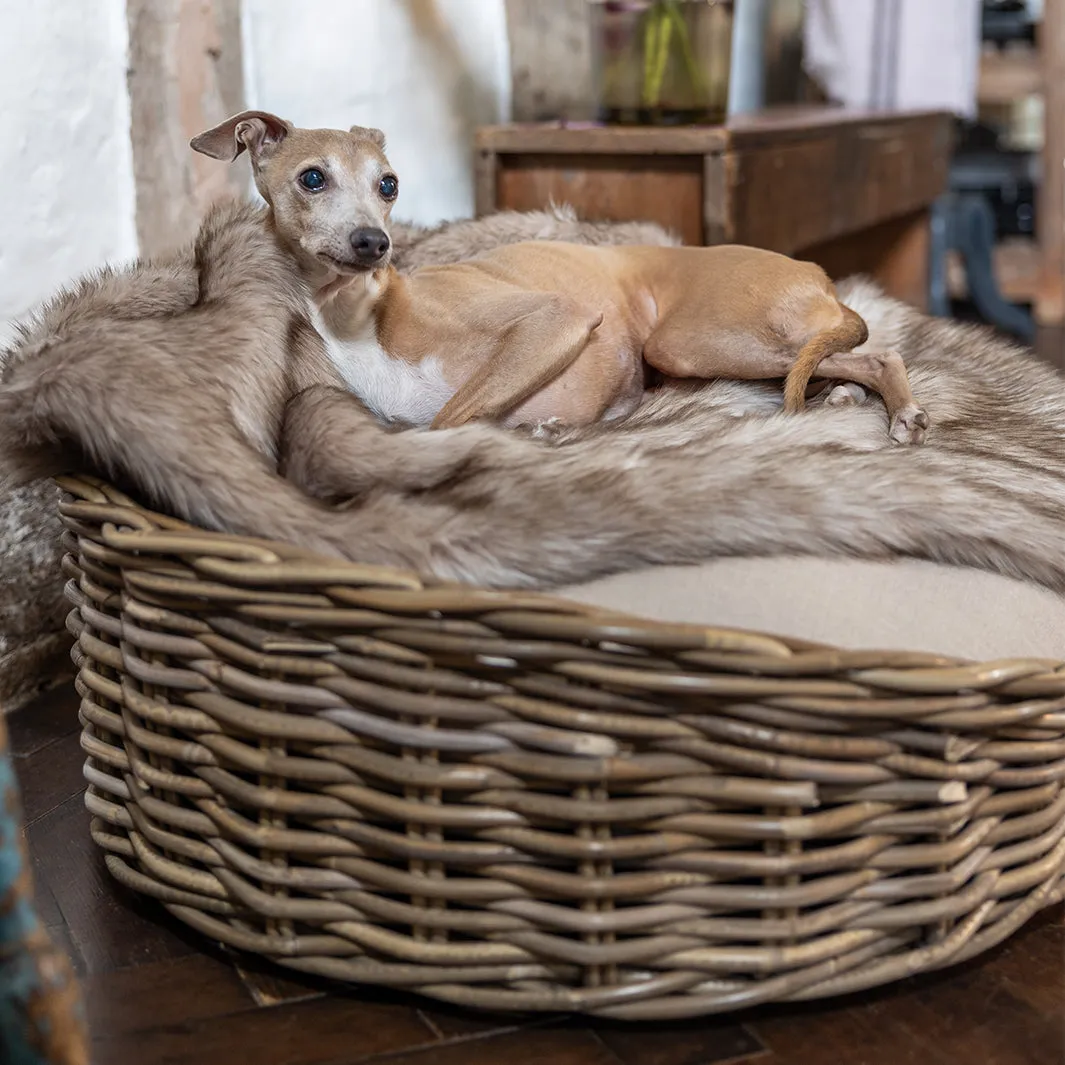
{"x":156,"y":993}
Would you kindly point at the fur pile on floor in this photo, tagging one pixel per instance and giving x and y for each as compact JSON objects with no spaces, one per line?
{"x":33,"y":643}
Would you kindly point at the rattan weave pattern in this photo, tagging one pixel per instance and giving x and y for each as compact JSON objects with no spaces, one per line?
{"x":511,"y":801}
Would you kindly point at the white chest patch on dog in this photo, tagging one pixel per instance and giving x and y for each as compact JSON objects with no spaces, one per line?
{"x":393,"y":389}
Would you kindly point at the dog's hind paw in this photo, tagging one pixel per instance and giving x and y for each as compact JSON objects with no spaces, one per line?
{"x":847,"y":394}
{"x":909,"y":426}
{"x":550,"y":429}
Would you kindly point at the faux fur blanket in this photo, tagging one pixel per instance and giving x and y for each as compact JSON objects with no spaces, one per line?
{"x":714,"y":469}
{"x":699,"y":471}
{"x":34,"y":643}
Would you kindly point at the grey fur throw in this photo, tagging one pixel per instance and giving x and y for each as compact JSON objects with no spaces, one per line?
{"x":33,"y":640}
{"x":697,"y":472}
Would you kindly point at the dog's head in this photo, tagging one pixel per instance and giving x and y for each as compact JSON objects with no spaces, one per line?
{"x":331,"y":192}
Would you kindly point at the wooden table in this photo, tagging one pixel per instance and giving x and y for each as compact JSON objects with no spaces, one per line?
{"x":849,"y":190}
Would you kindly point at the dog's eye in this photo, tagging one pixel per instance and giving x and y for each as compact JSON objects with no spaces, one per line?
{"x":313,"y":180}
{"x":389,"y":187}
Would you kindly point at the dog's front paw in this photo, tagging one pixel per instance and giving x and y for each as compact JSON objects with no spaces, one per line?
{"x":909,"y":426}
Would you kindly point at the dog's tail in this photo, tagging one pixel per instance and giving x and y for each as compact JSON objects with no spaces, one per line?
{"x":846,"y":336}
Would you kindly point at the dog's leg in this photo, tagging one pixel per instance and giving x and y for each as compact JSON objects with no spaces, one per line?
{"x":546,"y":339}
{"x":884,"y":373}
{"x":681,"y":346}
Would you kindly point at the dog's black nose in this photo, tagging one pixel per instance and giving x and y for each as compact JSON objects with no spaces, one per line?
{"x":369,"y":245}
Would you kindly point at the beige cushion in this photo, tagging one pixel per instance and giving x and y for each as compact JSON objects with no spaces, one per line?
{"x":899,"y":605}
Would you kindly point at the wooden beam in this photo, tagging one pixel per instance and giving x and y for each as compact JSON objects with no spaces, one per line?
{"x":550,"y":60}
{"x":719,"y":180}
{"x":485,"y":177}
{"x":186,"y":74}
{"x":895,"y":253}
{"x":1050,"y":303}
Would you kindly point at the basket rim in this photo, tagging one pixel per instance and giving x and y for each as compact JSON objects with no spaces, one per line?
{"x":259,"y":563}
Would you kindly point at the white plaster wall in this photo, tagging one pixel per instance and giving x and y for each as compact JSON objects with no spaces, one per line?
{"x":66,"y":165}
{"x":427,"y":72}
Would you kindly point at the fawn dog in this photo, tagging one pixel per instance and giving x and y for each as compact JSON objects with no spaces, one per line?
{"x":541,"y":331}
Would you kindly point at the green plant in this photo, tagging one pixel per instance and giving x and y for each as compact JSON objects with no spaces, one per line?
{"x":663,"y":23}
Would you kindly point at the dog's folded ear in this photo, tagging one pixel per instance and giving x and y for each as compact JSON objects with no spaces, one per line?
{"x":370,"y":134}
{"x":255,"y":130}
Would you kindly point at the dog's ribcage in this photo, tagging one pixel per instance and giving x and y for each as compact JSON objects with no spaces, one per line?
{"x":394,"y":389}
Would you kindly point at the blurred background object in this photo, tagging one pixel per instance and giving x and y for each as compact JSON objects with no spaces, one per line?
{"x":553,"y":68}
{"x":661,"y":62}
{"x":110,"y":93}
{"x":895,"y":54}
{"x":1001,"y":225}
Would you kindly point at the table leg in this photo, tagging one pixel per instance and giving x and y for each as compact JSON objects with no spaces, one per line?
{"x":895,"y":253}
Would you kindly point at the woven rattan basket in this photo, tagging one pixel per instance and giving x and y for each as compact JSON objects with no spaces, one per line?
{"x":516,"y":802}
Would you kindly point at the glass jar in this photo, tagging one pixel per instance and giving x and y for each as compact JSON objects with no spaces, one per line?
{"x":661,"y":62}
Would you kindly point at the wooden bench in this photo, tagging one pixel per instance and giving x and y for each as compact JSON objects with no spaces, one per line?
{"x":851,"y":191}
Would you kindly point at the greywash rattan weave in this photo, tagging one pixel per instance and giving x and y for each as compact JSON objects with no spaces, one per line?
{"x":511,"y":801}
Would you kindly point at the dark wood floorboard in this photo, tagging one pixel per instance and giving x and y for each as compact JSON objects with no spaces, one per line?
{"x":184,"y":991}
{"x":534,"y":1046}
{"x":962,"y":1015}
{"x":691,"y":1043}
{"x":157,"y":994}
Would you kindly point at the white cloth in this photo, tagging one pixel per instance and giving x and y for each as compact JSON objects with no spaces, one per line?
{"x":895,"y":54}
{"x":904,"y":604}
